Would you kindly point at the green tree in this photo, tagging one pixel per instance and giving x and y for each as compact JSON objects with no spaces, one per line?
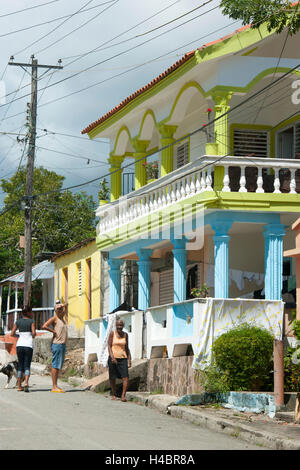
{"x":60,"y":219}
{"x":277,"y":14}
{"x":103,"y":193}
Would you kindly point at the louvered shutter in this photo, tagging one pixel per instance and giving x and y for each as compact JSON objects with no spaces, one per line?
{"x":250,"y":141}
{"x":182,"y":154}
{"x":79,"y":279}
{"x":166,"y":287}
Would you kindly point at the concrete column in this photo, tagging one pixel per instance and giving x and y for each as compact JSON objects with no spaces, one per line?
{"x":180,"y":256}
{"x":221,"y":252}
{"x":116,"y":177}
{"x":221,"y":99}
{"x":144,"y":285}
{"x":140,"y":147}
{"x":278,"y":372}
{"x":166,"y":138}
{"x":273,"y":234}
{"x":114,"y":283}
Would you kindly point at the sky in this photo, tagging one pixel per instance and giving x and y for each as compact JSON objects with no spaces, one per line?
{"x":107,"y":37}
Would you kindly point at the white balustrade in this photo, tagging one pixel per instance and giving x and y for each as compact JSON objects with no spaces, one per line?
{"x":196,"y":178}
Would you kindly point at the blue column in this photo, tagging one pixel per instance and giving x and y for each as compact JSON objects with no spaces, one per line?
{"x":144,"y":265}
{"x":221,"y":252}
{"x":273,"y":234}
{"x":179,"y":270}
{"x":114,"y":283}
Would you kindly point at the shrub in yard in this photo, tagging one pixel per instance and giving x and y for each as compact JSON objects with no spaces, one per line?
{"x":212,"y":380}
{"x":244,"y":354}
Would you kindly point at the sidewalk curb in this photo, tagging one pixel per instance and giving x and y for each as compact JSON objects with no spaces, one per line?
{"x":165,"y":404}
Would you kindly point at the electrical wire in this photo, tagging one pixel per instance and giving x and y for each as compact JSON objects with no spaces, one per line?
{"x":28,"y":8}
{"x":53,"y":20}
{"x":111,"y":58}
{"x":54,"y":29}
{"x":138,"y":24}
{"x":278,"y":62}
{"x":79,"y":27}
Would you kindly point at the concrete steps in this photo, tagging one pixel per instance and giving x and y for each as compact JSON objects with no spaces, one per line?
{"x":137,"y":378}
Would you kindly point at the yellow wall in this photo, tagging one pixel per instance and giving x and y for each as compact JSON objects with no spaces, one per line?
{"x":78,"y":304}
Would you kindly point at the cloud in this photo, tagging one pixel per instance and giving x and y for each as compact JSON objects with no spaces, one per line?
{"x":70,"y":115}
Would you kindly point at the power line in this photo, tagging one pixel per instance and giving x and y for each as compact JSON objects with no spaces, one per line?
{"x":70,"y":155}
{"x":54,"y":29}
{"x":101,"y":48}
{"x":81,"y":55}
{"x":76,"y":29}
{"x":53,"y":20}
{"x":108,"y":59}
{"x":278,"y":62}
{"x":121,"y":34}
{"x":28,"y":8}
{"x":48,"y":132}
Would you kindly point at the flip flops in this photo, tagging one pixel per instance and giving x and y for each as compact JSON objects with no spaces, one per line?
{"x":57,"y":391}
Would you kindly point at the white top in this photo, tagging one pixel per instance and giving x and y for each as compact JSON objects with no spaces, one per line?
{"x":25,"y":339}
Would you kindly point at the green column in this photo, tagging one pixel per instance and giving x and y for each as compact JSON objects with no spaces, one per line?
{"x":115,"y":177}
{"x":140,"y":147}
{"x":166,"y":138}
{"x":221,"y":99}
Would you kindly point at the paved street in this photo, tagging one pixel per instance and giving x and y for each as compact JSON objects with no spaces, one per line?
{"x":79,"y":420}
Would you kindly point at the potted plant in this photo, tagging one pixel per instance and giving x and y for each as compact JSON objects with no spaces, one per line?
{"x":151,"y":170}
{"x":200,"y":293}
{"x":103,"y":193}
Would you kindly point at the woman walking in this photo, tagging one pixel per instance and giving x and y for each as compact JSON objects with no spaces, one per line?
{"x":119,"y":359}
{"x":58,"y":327}
{"x":26,"y":328}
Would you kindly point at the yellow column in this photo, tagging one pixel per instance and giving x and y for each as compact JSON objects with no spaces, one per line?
{"x":115,"y":177}
{"x":221,"y":99}
{"x":166,"y":138}
{"x":140,"y":147}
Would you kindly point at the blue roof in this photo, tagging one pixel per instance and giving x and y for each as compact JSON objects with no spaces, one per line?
{"x":43,"y":270}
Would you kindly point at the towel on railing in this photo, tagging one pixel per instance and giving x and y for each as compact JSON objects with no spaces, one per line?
{"x":103,"y":356}
{"x":220,"y":315}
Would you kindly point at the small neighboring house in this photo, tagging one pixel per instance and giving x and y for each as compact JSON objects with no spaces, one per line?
{"x":77,"y":282}
{"x":43,"y":271}
{"x":225,"y":195}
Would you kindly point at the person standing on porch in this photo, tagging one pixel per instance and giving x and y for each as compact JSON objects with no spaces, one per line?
{"x":26,"y":328}
{"x":119,"y":359}
{"x":58,"y":327}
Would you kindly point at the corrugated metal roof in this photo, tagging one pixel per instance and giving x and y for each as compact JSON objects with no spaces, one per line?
{"x":43,"y":270}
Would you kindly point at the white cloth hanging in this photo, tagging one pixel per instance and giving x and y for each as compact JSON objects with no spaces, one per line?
{"x":103,"y":356}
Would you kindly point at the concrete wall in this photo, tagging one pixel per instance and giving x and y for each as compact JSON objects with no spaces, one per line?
{"x":172,"y":376}
{"x":42,"y":347}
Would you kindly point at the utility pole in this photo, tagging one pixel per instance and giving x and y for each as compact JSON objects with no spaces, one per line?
{"x":30,"y":168}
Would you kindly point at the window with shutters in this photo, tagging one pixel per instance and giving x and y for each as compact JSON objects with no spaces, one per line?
{"x":181,"y":154}
{"x":288,"y":142}
{"x":250,"y":141}
{"x":79,"y":277}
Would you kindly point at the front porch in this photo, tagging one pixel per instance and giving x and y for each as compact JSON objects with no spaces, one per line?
{"x":43,"y":271}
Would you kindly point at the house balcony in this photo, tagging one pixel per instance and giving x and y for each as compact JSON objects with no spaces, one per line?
{"x":251,"y":179}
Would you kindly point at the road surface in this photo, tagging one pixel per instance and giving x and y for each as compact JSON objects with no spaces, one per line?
{"x":84,"y":420}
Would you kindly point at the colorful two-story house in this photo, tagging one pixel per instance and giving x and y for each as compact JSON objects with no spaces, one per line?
{"x":223,"y":125}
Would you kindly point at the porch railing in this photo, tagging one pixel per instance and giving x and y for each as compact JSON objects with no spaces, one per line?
{"x":241,"y":174}
{"x":40,"y":316}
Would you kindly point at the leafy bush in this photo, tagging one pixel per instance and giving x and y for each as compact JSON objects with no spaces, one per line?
{"x":291,"y":370}
{"x":244,"y":354}
{"x":212,"y":380}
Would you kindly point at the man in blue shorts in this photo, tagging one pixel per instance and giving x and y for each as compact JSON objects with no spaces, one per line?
{"x":58,"y":327}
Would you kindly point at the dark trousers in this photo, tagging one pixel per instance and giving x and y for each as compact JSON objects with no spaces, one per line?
{"x":24,"y":360}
